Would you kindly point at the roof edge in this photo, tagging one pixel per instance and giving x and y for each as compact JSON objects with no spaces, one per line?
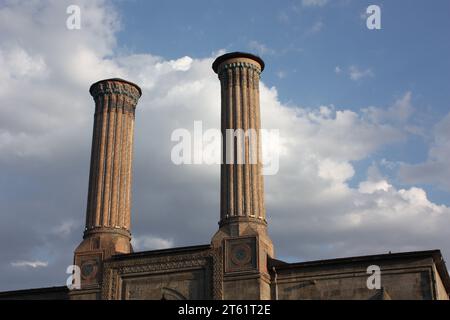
{"x":160,"y":252}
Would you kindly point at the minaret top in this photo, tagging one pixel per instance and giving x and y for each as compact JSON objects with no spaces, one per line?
{"x":95,"y":85}
{"x":234,"y":55}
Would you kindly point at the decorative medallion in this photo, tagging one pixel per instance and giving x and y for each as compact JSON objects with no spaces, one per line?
{"x":241,"y":254}
{"x":89,"y":269}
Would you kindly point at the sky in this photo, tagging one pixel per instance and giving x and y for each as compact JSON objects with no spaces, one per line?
{"x":363,"y":116}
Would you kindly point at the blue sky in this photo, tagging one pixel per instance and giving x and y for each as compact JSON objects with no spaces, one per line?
{"x":364,"y":121}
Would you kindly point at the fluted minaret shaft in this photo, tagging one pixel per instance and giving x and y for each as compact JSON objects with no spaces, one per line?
{"x":109,"y":195}
{"x":242,"y":185}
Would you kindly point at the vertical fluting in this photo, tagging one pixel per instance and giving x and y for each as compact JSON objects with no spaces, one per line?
{"x":109,"y":197}
{"x":116,"y":163}
{"x":228,"y":144}
{"x":127,"y":222}
{"x":223,"y":173}
{"x":123,"y":172}
{"x":254,"y":167}
{"x":259,"y":144}
{"x":103,"y":113}
{"x":241,"y":179}
{"x":245,"y":125}
{"x":238,"y":140}
{"x":111,"y":112}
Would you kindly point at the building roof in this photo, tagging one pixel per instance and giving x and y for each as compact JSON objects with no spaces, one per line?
{"x":436,"y":255}
{"x":160,"y":252}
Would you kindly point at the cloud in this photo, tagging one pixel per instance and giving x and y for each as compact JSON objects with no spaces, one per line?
{"x":182,"y":64}
{"x":357,"y":74}
{"x":148,"y":242}
{"x":435,"y":170}
{"x":260,"y":48}
{"x":314,"y":3}
{"x":45,"y":133}
{"x":317,"y":27}
{"x":399,"y":112}
{"x":31,"y":264}
{"x":65,"y":228}
{"x":281,"y":74}
{"x":375,"y":182}
{"x":283,"y":17}
{"x":325,"y":131}
{"x":17,"y":63}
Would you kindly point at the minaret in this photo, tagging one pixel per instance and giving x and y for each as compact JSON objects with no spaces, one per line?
{"x":107,"y":229}
{"x":242,"y":241}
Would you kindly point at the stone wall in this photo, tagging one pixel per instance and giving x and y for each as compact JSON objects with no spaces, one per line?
{"x":402,"y":278}
{"x":180,"y":273}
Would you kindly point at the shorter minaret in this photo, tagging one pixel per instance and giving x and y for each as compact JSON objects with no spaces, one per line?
{"x":107,"y":230}
{"x":242,"y":244}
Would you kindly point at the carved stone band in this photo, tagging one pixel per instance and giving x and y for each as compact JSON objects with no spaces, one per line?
{"x":116,"y":86}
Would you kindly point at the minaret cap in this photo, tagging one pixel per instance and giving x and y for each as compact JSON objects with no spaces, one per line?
{"x":118,"y":80}
{"x":236,"y":54}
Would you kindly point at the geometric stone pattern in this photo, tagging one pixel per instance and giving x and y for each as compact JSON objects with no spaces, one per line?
{"x":241,"y":254}
{"x":187,"y":275}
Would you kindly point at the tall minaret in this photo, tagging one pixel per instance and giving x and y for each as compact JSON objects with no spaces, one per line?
{"x":107,"y":229}
{"x":242,"y":241}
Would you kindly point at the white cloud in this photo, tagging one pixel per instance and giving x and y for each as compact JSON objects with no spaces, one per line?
{"x":374,"y":186}
{"x":148,"y":242}
{"x":316,"y":27}
{"x":281,"y":74}
{"x":335,"y":171}
{"x":314,"y":3}
{"x":17,"y":63}
{"x":357,"y":74}
{"x":375,"y":182}
{"x":65,"y":228}
{"x":400,"y":111}
{"x":283,"y":17}
{"x":31,"y":264}
{"x":182,"y":64}
{"x":260,"y":48}
{"x":435,"y":170}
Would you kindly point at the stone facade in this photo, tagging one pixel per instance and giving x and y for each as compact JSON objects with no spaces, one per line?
{"x":404,"y":276}
{"x":183,"y":273}
{"x":239,"y":263}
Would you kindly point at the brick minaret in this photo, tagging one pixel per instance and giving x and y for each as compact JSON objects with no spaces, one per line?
{"x":242,"y":240}
{"x":107,"y":229}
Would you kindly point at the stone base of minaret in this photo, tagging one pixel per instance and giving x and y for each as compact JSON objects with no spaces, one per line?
{"x":243,"y":248}
{"x":94,"y":249}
